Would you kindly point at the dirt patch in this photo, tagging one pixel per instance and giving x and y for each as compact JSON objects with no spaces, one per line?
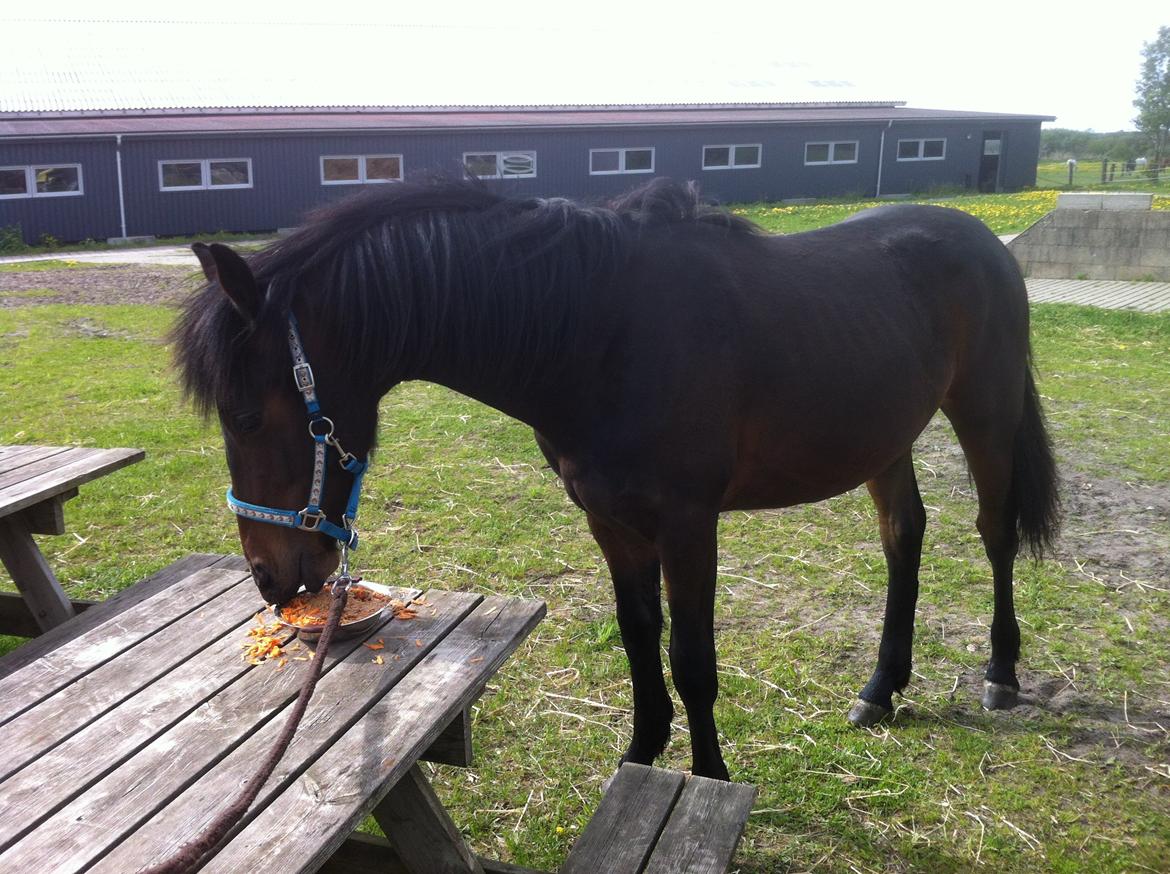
{"x":100,"y":284}
{"x":1118,"y":531}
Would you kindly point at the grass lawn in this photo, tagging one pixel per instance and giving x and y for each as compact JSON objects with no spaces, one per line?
{"x":1077,"y":778}
{"x":1003,"y":213}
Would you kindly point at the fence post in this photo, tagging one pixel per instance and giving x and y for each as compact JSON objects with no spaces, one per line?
{"x":1104,"y":170}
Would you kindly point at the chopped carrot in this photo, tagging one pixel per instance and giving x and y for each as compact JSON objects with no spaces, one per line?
{"x":375,"y":646}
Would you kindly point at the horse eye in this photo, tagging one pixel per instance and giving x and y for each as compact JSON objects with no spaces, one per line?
{"x":246,"y":423}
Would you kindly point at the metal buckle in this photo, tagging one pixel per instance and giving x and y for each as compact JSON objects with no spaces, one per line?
{"x":316,"y":520}
{"x":303,"y":374}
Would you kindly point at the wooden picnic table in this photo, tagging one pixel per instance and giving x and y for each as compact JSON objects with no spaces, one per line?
{"x":35,"y":483}
{"x":128,"y":728}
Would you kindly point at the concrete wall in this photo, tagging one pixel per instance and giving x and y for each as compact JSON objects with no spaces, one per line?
{"x":1096,"y":244}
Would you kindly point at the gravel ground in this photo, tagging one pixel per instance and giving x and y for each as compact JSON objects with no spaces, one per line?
{"x":97,"y":284}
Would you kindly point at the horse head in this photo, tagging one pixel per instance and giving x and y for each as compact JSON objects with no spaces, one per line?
{"x":292,"y":483}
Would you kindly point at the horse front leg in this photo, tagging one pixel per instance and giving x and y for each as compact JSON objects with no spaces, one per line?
{"x":687,"y":548}
{"x":636,"y":574}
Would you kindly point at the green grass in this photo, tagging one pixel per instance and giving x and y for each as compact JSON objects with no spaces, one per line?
{"x":47,"y":264}
{"x":1003,"y":213}
{"x":460,"y":498}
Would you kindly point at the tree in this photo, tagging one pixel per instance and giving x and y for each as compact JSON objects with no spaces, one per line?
{"x":1153,"y":94}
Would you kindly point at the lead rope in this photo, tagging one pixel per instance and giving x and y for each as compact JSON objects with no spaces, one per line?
{"x":191,"y":854}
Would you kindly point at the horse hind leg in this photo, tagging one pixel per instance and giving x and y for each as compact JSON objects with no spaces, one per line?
{"x":988,"y":445}
{"x":902,"y":521}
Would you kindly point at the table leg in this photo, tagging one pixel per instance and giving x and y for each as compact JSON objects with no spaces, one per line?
{"x":421,"y":832}
{"x":31,"y":573}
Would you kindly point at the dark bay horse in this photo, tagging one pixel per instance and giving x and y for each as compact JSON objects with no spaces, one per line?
{"x":674,"y":362}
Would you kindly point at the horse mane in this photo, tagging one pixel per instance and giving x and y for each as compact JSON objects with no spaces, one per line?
{"x":387,"y":269}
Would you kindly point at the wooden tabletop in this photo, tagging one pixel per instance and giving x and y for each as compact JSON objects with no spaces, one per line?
{"x":32,"y":474}
{"x":124,"y":741}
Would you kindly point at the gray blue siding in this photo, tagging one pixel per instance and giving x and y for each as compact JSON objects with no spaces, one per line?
{"x":92,"y":214}
{"x":286,"y":180}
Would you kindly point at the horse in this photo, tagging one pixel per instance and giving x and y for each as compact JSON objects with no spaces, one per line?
{"x":674,"y":361}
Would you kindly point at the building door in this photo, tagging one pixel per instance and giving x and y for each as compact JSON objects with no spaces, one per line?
{"x":989,"y":162}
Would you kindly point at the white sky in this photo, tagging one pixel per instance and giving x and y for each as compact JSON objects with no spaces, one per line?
{"x":1073,"y":61}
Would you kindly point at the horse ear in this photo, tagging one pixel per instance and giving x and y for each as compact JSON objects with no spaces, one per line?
{"x":223,"y":265}
{"x":203,"y":253}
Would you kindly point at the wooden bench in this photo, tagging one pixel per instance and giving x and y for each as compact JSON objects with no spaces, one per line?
{"x":650,"y":821}
{"x":653,"y":821}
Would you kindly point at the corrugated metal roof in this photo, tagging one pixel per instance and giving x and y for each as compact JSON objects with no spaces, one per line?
{"x":422,"y":119}
{"x":63,"y":66}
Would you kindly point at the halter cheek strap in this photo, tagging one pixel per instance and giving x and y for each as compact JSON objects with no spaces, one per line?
{"x":312,"y":517}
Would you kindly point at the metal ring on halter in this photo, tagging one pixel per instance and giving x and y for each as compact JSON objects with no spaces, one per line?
{"x":327,"y":436}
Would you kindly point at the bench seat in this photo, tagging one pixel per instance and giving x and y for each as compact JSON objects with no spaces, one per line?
{"x":653,"y":821}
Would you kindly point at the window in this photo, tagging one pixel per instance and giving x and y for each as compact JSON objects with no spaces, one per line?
{"x":922,"y":150}
{"x":206,"y":173}
{"x":831,"y":153}
{"x":731,"y":157}
{"x":500,"y":165}
{"x":356,"y":169}
{"x":604,"y":161}
{"x":41,"y":180}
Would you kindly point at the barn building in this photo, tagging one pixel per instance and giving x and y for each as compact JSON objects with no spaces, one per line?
{"x":84,"y":174}
{"x":123,"y":128}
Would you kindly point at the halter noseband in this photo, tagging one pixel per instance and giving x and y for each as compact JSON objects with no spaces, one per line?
{"x":312,"y":518}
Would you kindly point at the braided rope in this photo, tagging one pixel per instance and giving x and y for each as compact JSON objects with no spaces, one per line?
{"x":191,"y":854}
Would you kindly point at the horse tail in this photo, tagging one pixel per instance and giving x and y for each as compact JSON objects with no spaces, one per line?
{"x":1035,"y":482}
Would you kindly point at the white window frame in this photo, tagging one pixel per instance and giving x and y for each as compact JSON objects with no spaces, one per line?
{"x":731,"y":147}
{"x":501,"y":154}
{"x":832,"y":144}
{"x":922,"y":141}
{"x":204,"y":174}
{"x":30,"y":181}
{"x":622,"y":160}
{"x":362,"y":179}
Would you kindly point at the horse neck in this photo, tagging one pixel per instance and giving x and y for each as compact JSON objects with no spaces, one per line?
{"x":519,"y":368}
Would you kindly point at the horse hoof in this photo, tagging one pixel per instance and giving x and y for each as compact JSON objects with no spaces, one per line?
{"x":998,"y":696}
{"x":864,"y":713}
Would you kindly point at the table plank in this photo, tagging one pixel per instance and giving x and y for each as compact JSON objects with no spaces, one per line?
{"x":108,"y":811}
{"x":341,"y":697}
{"x":67,"y":664}
{"x":30,"y":651}
{"x":42,"y":727}
{"x":62,"y":773}
{"x":312,"y":817}
{"x":13,"y":457}
{"x":75,"y":468}
{"x":704,"y":828}
{"x":31,"y":467}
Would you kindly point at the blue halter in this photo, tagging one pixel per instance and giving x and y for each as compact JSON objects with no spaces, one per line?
{"x":312,"y":518}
